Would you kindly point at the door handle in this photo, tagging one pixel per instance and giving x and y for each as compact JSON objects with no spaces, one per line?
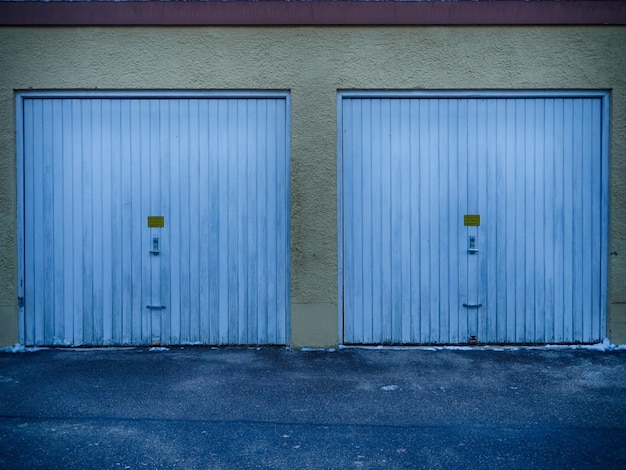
{"x":155,"y":246}
{"x":472,"y":250}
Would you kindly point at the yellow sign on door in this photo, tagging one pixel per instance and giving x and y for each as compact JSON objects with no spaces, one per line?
{"x":471,"y":220}
{"x":156,"y":221}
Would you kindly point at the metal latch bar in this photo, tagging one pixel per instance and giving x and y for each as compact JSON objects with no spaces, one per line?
{"x":155,"y":307}
{"x":472,"y":305}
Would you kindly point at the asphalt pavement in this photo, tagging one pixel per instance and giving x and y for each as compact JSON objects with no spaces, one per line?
{"x":275,"y":408}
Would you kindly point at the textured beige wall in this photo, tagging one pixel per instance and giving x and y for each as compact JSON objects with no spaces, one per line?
{"x":313,"y":63}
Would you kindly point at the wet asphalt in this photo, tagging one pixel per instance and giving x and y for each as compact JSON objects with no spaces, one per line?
{"x":275,"y":408}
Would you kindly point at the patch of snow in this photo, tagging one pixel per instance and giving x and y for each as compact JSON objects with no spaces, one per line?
{"x":159,"y":349}
{"x":602,"y":347}
{"x":389,"y":388}
{"x":20,"y":348}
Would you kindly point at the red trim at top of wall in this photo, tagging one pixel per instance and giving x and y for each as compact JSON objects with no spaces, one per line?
{"x":196,"y":13}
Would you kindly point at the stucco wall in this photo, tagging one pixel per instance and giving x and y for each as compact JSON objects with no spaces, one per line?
{"x":313,"y":63}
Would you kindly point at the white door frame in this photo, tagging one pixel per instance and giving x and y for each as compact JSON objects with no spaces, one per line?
{"x":491,"y":94}
{"x":21,"y":96}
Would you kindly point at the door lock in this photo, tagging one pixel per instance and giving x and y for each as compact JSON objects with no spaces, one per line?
{"x":155,"y":246}
{"x":472,"y":250}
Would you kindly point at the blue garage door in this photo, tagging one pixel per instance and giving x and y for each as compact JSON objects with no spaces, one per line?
{"x":473,"y":219}
{"x":154,"y":219}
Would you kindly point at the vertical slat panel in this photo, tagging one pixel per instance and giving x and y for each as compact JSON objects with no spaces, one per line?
{"x":509,"y":228}
{"x":127,"y":225}
{"x":272,"y":215}
{"x":598,"y":248}
{"x":433,"y":220}
{"x":424,"y":226}
{"x":373,"y":118}
{"x":404,"y":253}
{"x":167,"y":136}
{"x":456,"y":245}
{"x":145,"y":185}
{"x":519,"y":260}
{"x":95,"y":311}
{"x":490,"y":226}
{"x":176,"y":229}
{"x":444,"y":223}
{"x":480,"y":189}
{"x":29,"y":218}
{"x":87,"y":222}
{"x":385,"y":222}
{"x":109,"y":197}
{"x":116,"y":190}
{"x":204,"y":215}
{"x":260,"y":242}
{"x":415,"y":168}
{"x":568,"y":220}
{"x":363,"y":145}
{"x":483,"y":190}
{"x":58,"y":177}
{"x":463,"y":208}
{"x":232,"y":222}
{"x":69,"y":243}
{"x":528,"y":240}
{"x":35,"y":239}
{"x":549,"y":222}
{"x":77,"y":227}
{"x":242,"y":214}
{"x":560,"y":289}
{"x":472,"y":190}
{"x":377,"y":124}
{"x":47,"y":228}
{"x":184,"y":233}
{"x":213,"y":186}
{"x":193,"y":223}
{"x":500,"y":237}
{"x":577,"y":219}
{"x":152,"y":334}
{"x":350,"y":134}
{"x":139,"y":301}
{"x":585,"y":220}
{"x":396,"y":163}
{"x":251,"y":126}
{"x":538,"y":273}
{"x":223,"y":184}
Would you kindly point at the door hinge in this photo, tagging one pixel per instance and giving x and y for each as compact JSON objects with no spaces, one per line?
{"x":20,"y":302}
